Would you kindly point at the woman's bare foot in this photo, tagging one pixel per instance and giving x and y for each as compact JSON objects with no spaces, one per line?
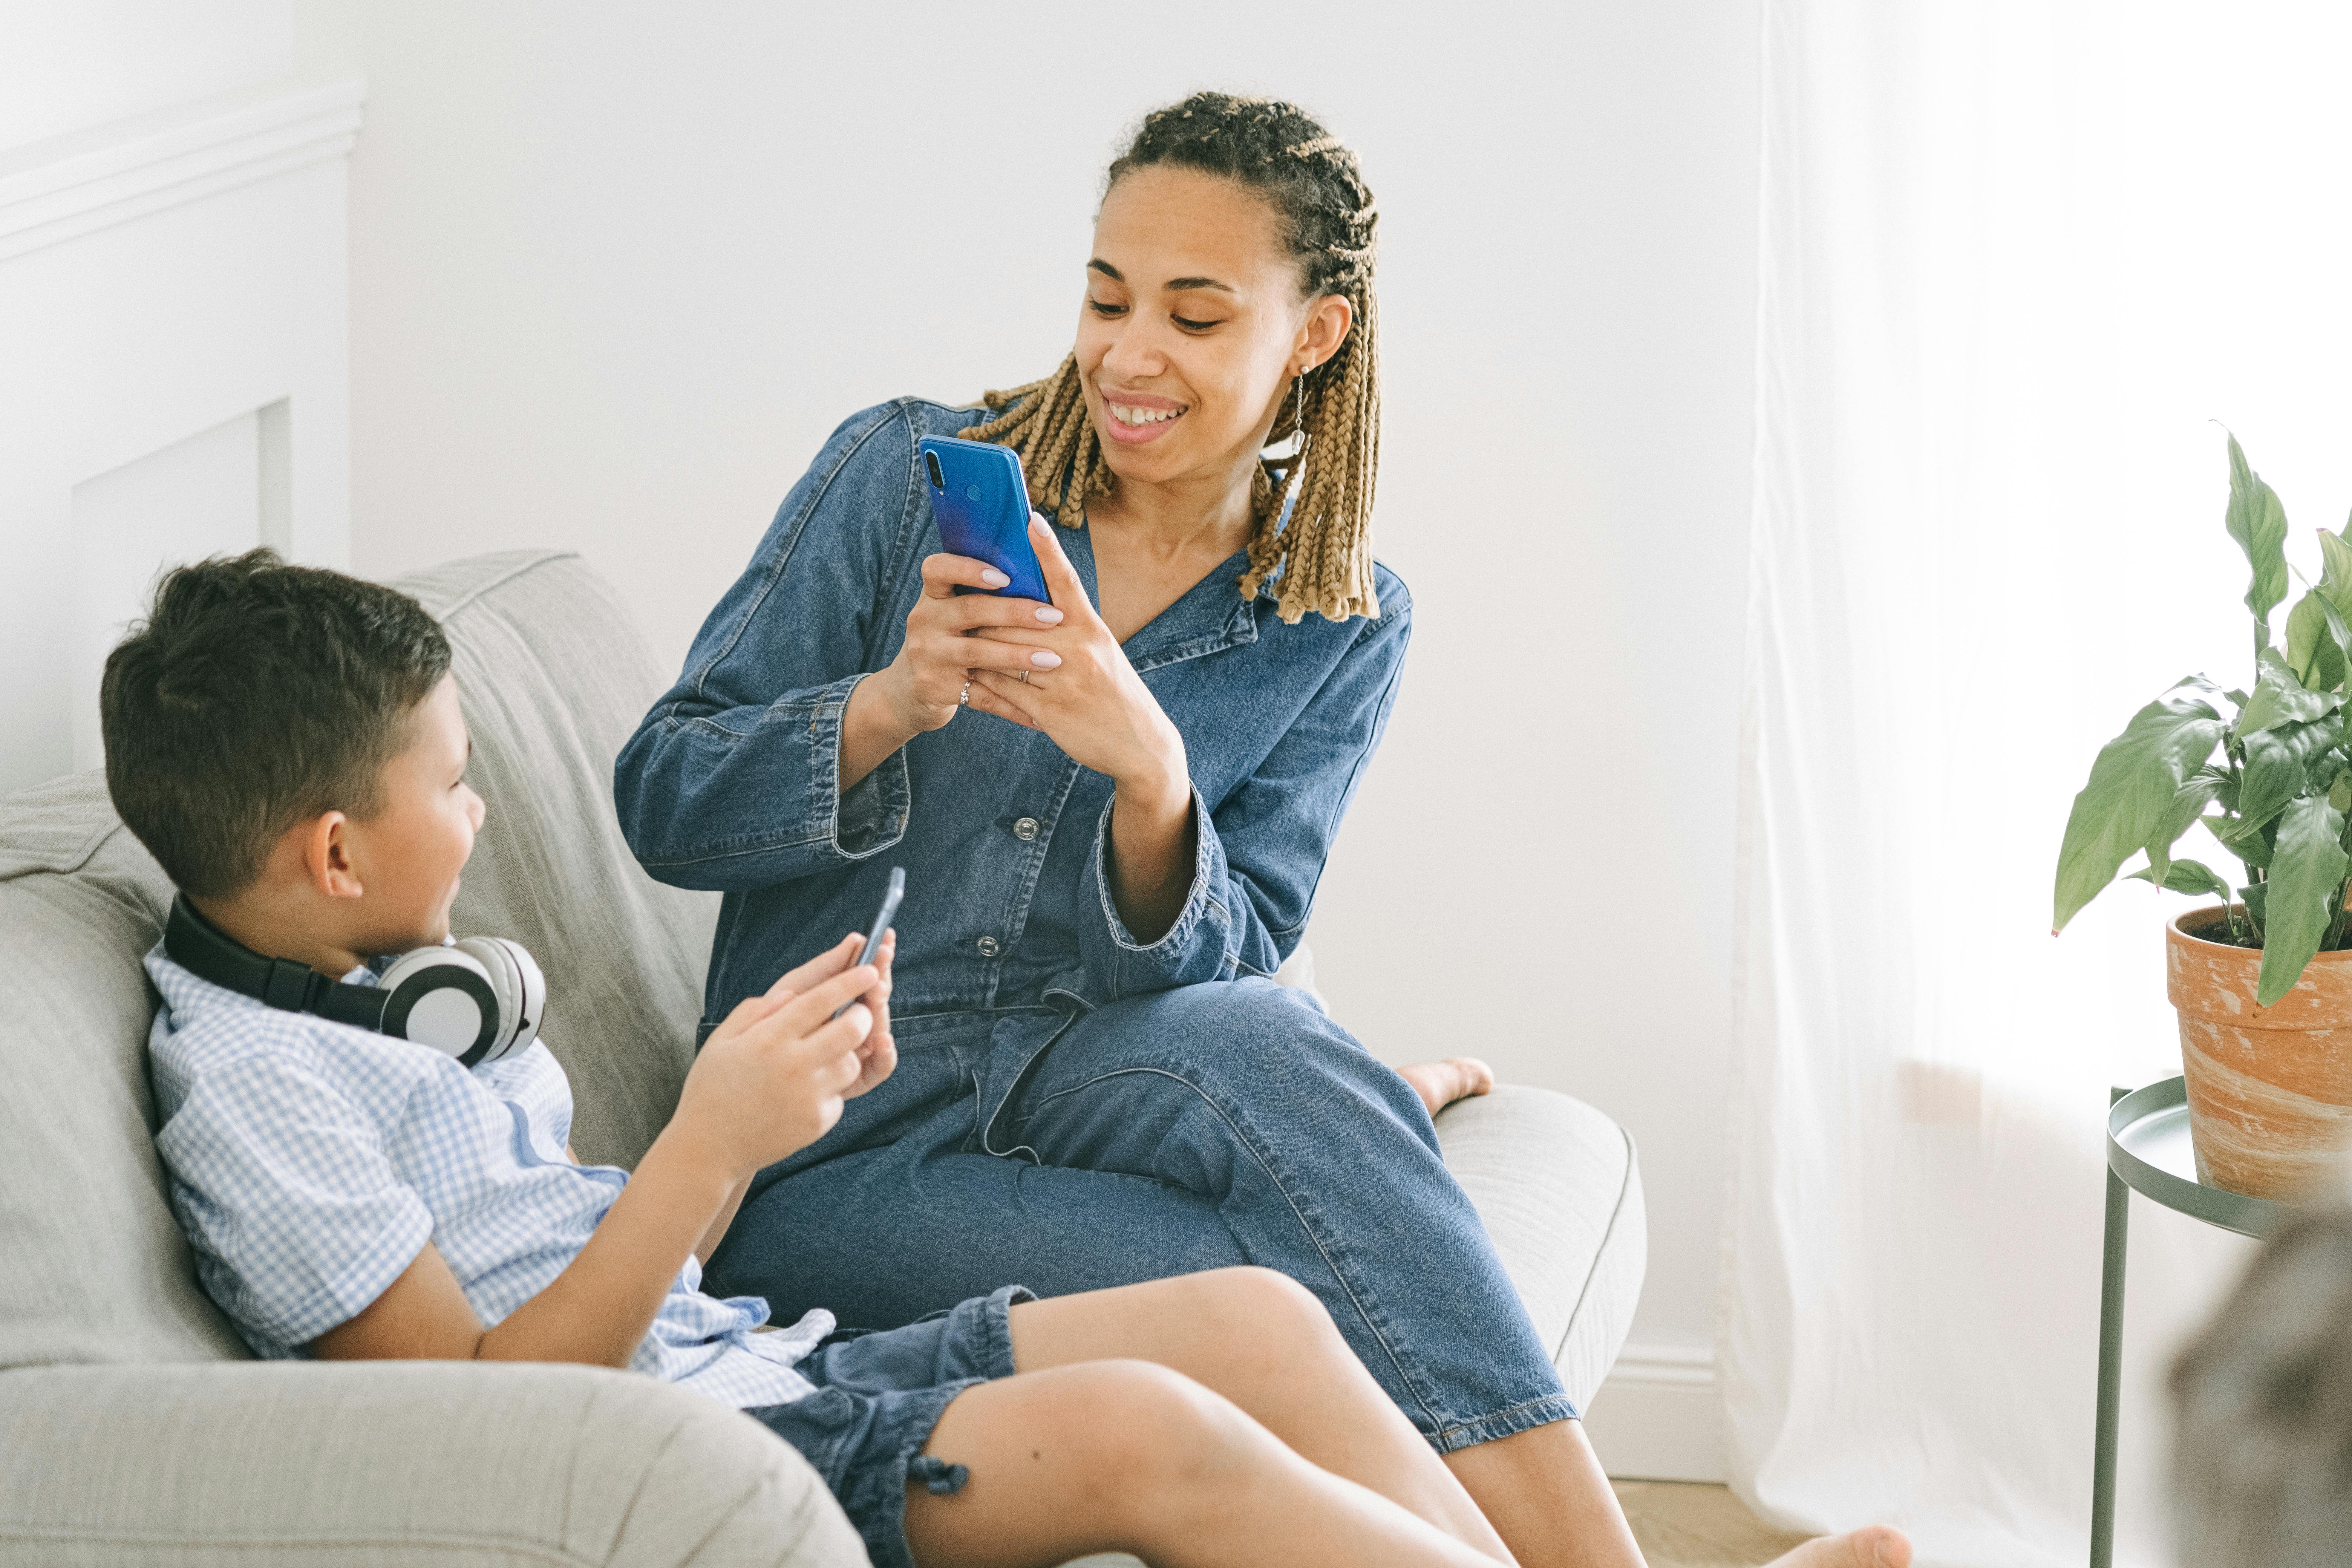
{"x":1439,"y":1084}
{"x":1874,"y":1547}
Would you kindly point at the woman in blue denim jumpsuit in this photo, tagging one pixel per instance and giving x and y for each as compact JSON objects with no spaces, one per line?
{"x":1099,"y":1083}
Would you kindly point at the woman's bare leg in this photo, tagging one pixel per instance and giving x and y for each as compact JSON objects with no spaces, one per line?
{"x":1124,"y":1455}
{"x":1546,"y":1494}
{"x":1262,"y":1341}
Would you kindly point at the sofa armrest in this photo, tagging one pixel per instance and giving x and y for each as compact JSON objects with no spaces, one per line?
{"x":1559,"y":1187}
{"x":382,"y":1463}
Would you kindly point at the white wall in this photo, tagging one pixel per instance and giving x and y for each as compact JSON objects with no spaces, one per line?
{"x":618,"y":267}
{"x":66,"y":68}
{"x":172,"y":327}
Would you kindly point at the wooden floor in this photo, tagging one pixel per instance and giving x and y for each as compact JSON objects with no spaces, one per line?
{"x":1682,"y":1524}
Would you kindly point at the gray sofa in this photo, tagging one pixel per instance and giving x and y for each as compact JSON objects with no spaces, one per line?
{"x":133,"y":1427}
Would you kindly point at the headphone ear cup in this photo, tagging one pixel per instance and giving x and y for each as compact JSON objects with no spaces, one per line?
{"x":521,"y":988}
{"x":443,"y":997}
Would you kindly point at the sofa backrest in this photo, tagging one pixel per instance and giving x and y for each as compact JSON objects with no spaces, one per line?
{"x":92,"y":1267}
{"x":552,"y":676}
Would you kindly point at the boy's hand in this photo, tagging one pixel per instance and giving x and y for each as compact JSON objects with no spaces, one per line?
{"x":878,"y":1058}
{"x":770,"y":1080}
{"x":878,"y":1055}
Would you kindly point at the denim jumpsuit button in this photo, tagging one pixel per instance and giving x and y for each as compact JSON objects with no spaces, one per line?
{"x":989,"y":947}
{"x":1025,"y":829}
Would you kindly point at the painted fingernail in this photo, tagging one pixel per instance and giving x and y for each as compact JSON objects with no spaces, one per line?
{"x":1045,"y":660}
{"x":992,"y":577}
{"x":1050,"y":616}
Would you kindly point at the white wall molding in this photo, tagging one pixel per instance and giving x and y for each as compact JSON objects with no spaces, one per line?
{"x":1659,"y":1417}
{"x":52,"y":202}
{"x":175,"y":376}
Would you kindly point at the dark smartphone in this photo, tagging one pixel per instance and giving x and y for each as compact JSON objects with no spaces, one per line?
{"x":890,"y":897}
{"x":982,"y":506}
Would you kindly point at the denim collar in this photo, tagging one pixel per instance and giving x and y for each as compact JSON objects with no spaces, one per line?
{"x":1208,"y":617}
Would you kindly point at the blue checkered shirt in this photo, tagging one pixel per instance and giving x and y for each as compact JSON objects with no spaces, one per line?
{"x":310,"y":1162}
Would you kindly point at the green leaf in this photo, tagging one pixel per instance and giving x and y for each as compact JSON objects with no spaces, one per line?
{"x":2131,"y":790}
{"x":2313,"y":649}
{"x":2188,"y":877}
{"x":2280,"y":699}
{"x":2258,"y":522}
{"x":2249,"y":841}
{"x":2188,"y":804}
{"x":2308,"y":875}
{"x":2253,"y":898}
{"x":2279,"y":763}
{"x":2335,"y":574}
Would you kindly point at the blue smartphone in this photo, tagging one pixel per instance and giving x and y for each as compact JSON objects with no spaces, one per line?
{"x":896,"y":890}
{"x":982,"y":506}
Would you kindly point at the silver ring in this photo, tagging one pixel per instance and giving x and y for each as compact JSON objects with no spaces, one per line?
{"x":963,"y":698}
{"x":1024,"y":677}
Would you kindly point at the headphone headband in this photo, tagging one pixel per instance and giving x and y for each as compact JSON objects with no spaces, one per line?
{"x":443,"y":997}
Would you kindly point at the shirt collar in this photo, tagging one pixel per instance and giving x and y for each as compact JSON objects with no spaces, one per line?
{"x":1207,"y":617}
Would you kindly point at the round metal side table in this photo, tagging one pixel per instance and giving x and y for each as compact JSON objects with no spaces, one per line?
{"x":2149,"y":1153}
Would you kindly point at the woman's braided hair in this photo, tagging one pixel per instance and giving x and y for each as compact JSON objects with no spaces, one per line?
{"x":1322,"y":560}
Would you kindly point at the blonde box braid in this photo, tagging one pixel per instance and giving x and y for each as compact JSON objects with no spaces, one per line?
{"x":1322,"y":558}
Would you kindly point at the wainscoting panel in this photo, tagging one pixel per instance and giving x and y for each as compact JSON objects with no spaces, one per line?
{"x":175,"y":373}
{"x":1659,"y":1417}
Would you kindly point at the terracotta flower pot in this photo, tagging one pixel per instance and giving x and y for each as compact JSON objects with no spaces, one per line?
{"x":2270,"y":1089}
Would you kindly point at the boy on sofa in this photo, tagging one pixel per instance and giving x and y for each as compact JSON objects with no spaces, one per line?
{"x":369,"y":1153}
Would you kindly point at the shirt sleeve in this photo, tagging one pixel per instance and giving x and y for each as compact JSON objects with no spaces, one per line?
{"x":734,"y":779}
{"x":283,"y":1183}
{"x":1259,"y":855}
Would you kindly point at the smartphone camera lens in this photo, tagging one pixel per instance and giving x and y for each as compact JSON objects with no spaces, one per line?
{"x":939,"y":480}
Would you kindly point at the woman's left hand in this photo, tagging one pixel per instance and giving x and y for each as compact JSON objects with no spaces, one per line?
{"x":1081,"y":690}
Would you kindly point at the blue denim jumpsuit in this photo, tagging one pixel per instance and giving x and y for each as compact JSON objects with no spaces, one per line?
{"x":1074,"y":1109}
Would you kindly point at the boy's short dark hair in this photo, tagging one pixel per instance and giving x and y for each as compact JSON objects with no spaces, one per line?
{"x":256,"y":695}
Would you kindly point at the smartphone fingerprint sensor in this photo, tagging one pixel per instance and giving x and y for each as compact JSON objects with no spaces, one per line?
{"x":971,"y":492}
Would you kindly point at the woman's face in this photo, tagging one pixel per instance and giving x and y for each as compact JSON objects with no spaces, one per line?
{"x":1192,"y":326}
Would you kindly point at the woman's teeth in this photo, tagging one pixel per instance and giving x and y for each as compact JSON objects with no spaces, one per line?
{"x":1127,"y":416}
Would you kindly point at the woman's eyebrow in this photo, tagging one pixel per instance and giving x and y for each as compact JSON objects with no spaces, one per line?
{"x":1175,"y":285}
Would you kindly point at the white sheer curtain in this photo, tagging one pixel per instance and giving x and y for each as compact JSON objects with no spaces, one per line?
{"x":2018,"y":256}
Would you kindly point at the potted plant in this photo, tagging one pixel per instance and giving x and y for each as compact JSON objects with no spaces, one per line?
{"x":2262,"y":980}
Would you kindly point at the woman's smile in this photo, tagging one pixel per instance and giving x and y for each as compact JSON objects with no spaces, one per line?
{"x":1137,"y":418}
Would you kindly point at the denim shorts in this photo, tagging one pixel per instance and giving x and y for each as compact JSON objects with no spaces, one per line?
{"x":878,"y":1395}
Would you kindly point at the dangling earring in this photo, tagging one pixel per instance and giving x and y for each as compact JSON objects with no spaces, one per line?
{"x":1296,"y":462}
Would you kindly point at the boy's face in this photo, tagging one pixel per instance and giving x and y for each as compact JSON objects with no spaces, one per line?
{"x":408,"y":856}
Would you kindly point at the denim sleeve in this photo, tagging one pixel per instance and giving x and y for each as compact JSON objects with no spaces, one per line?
{"x":732,"y":780}
{"x":1259,"y":855}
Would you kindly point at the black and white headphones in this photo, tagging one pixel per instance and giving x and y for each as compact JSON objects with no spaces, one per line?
{"x":478,"y":1000}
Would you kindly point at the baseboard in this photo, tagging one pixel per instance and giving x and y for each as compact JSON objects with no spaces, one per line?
{"x":1658,"y":1417}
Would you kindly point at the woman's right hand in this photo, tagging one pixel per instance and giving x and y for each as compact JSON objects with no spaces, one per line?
{"x":925,"y":683}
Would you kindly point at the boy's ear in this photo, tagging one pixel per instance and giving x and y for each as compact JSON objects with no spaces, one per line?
{"x":326,"y":856}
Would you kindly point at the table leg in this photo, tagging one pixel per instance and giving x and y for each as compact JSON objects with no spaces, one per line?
{"x":2110,"y":1364}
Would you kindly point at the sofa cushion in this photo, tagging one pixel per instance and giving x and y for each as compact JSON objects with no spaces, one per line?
{"x":92,"y":1265}
{"x":553,"y":676}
